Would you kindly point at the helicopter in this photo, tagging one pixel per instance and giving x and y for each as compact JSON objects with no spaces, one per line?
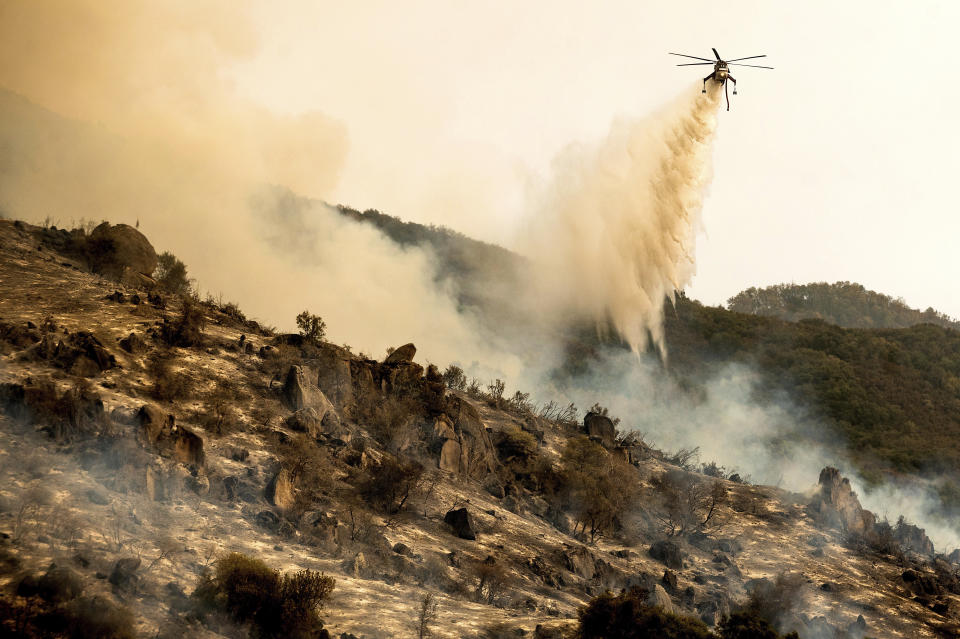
{"x":721,"y":70}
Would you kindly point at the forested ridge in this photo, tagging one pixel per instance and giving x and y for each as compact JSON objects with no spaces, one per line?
{"x":846,"y":304}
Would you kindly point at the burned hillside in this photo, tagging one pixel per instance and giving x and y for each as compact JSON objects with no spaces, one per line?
{"x":156,"y":450}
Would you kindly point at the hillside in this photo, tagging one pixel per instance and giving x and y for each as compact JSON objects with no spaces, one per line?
{"x":845,"y":304}
{"x":144,"y":437}
{"x":891,"y":396}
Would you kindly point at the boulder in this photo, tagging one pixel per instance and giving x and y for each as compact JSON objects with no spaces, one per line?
{"x":668,"y":553}
{"x":580,"y":562}
{"x":836,"y":505}
{"x":17,"y":336}
{"x":153,"y":423}
{"x":187,"y":446}
{"x":659,"y":598}
{"x":112,"y":248}
{"x":268,"y":519}
{"x":669,"y":580}
{"x":133,"y":344}
{"x":402,"y":354}
{"x":600,"y":429}
{"x":462,"y":523}
{"x":305,"y":420}
{"x":160,"y":432}
{"x":279,"y":491}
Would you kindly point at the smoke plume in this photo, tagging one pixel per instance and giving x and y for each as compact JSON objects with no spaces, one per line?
{"x":615,"y":231}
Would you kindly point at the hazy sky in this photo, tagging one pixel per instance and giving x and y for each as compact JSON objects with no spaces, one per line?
{"x":840,"y":164}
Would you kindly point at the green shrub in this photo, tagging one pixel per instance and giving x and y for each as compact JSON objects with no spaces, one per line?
{"x":626,"y":616}
{"x":276,"y":605}
{"x":171,"y":275}
{"x":747,"y":625}
{"x":312,"y":327}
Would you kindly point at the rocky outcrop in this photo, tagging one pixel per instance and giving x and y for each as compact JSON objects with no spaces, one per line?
{"x":462,"y":441}
{"x":79,"y":353}
{"x":120,"y":250}
{"x":14,"y":337}
{"x":77,"y":410}
{"x":308,"y":420}
{"x":334,"y":375}
{"x":836,"y":505}
{"x":913,"y":538}
{"x":160,"y":432}
{"x":600,"y":429}
{"x":299,"y":393}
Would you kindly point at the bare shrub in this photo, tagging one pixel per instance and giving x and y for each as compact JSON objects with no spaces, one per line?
{"x":187,"y":330}
{"x":389,"y":485}
{"x":488,"y":579}
{"x":168,"y":384}
{"x":426,"y":615}
{"x":219,"y":417}
{"x":685,"y":458}
{"x":559,"y":413}
{"x":392,"y":421}
{"x":600,"y":488}
{"x":64,"y":525}
{"x":494,"y":394}
{"x":33,"y":500}
{"x":773,"y":600}
{"x":685,"y":504}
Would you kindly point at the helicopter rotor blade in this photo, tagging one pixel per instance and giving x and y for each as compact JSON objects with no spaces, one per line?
{"x":684,"y":55}
{"x":755,"y":66}
{"x":715,"y":53}
{"x":748,"y":58}
{"x":694,"y":64}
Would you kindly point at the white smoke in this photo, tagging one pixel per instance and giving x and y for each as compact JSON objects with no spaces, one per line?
{"x":615,"y":230}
